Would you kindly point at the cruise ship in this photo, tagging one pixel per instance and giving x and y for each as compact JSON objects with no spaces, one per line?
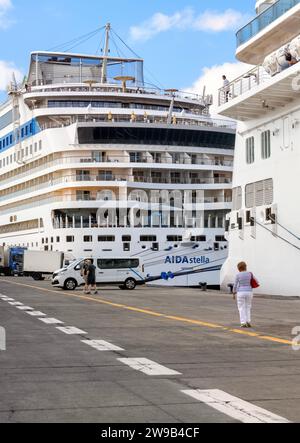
{"x":263,"y":228}
{"x":94,"y":161}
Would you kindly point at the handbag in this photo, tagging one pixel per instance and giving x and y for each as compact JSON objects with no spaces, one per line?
{"x":254,"y":283}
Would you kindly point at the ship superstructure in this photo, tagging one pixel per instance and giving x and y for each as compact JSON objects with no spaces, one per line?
{"x":264,"y":226}
{"x":93,"y":160}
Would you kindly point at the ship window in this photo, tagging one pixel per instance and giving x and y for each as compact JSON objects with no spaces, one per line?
{"x":174,"y":238}
{"x":106,"y":238}
{"x":250,"y":155}
{"x":266,"y":144}
{"x":148,"y":238}
{"x":126,"y":247}
{"x":220,"y":238}
{"x":87,"y":239}
{"x":126,"y":238}
{"x":155,"y":136}
{"x":70,"y":239}
{"x":199,"y":238}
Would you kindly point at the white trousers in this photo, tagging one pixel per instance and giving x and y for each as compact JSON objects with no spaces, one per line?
{"x":244,"y":302}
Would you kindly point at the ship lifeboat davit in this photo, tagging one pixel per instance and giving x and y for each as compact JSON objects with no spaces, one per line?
{"x":270,"y":64}
{"x":295,"y":47}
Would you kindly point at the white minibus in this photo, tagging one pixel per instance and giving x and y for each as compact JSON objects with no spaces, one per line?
{"x":126,"y":273}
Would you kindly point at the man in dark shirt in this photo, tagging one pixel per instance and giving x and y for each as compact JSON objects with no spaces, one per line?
{"x":91,"y":278}
{"x":83,"y":272}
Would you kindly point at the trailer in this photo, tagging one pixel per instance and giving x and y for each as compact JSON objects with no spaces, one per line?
{"x":39,"y":264}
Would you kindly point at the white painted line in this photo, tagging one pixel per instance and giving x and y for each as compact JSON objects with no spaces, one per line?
{"x":8,"y":299}
{"x":234,"y":407}
{"x":25,"y":308}
{"x":101,"y":345}
{"x":36,"y":313}
{"x":70,"y":330}
{"x":148,"y":367}
{"x":51,"y":321}
{"x":15,"y":303}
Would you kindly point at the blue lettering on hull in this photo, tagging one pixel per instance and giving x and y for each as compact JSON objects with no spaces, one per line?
{"x":184,"y":260}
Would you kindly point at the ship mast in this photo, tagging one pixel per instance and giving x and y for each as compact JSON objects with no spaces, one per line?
{"x":105,"y":53}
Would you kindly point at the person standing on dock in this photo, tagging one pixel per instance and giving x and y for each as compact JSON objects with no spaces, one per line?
{"x":91,"y":278}
{"x":245,"y":282}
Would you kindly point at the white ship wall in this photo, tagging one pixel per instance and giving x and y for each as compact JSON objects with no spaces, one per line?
{"x":272,"y":260}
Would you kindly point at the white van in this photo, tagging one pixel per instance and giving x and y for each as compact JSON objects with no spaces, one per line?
{"x":127,"y":273}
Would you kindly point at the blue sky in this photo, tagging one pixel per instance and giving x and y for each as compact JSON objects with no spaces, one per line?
{"x":177,"y":38}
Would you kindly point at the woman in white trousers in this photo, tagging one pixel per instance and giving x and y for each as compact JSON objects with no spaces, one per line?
{"x":243,"y":292}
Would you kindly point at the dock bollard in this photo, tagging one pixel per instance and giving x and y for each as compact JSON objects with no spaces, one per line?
{"x":203,"y":286}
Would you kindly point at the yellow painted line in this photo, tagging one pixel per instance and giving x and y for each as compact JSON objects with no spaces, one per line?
{"x":241,"y":332}
{"x":276,"y":340}
{"x":195,"y":322}
{"x":158,"y":314}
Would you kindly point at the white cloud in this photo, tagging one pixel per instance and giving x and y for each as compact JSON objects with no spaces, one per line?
{"x":208,"y":21}
{"x":5,"y":6}
{"x":6,"y":74}
{"x":211,"y":78}
{"x":228,"y":20}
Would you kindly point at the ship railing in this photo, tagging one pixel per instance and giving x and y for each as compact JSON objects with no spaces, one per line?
{"x":81,"y":222}
{"x":155,"y":120}
{"x":243,"y":84}
{"x":59,"y":86}
{"x":264,"y":19}
{"x":117,"y":179}
{"x":80,"y":162}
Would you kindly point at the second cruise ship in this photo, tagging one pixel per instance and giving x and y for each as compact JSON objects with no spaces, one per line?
{"x":94,"y":161}
{"x":263,"y":228}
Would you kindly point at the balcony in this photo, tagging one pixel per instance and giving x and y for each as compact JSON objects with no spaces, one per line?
{"x":204,"y":122}
{"x":268,"y":31}
{"x":256,"y":93}
{"x":113,"y":180}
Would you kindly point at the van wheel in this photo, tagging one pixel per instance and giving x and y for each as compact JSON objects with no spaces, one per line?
{"x":70,"y":284}
{"x":130,"y":284}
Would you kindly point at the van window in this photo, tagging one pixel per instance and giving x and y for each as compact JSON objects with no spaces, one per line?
{"x":116,"y":263}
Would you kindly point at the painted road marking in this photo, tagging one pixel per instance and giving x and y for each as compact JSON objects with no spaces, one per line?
{"x":51,"y":321}
{"x":36,"y":314}
{"x":148,"y":367}
{"x":8,"y":299}
{"x":234,"y":407}
{"x":15,"y":303}
{"x":25,"y":308}
{"x":257,"y":335}
{"x":70,"y":330}
{"x":101,"y":345}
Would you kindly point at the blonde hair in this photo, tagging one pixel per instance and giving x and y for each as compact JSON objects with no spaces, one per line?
{"x":242,"y":266}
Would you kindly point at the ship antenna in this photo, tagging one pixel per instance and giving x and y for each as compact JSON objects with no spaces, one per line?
{"x":105,"y":53}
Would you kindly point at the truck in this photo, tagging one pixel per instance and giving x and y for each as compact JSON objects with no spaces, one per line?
{"x":38,"y":264}
{"x":11,"y":260}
